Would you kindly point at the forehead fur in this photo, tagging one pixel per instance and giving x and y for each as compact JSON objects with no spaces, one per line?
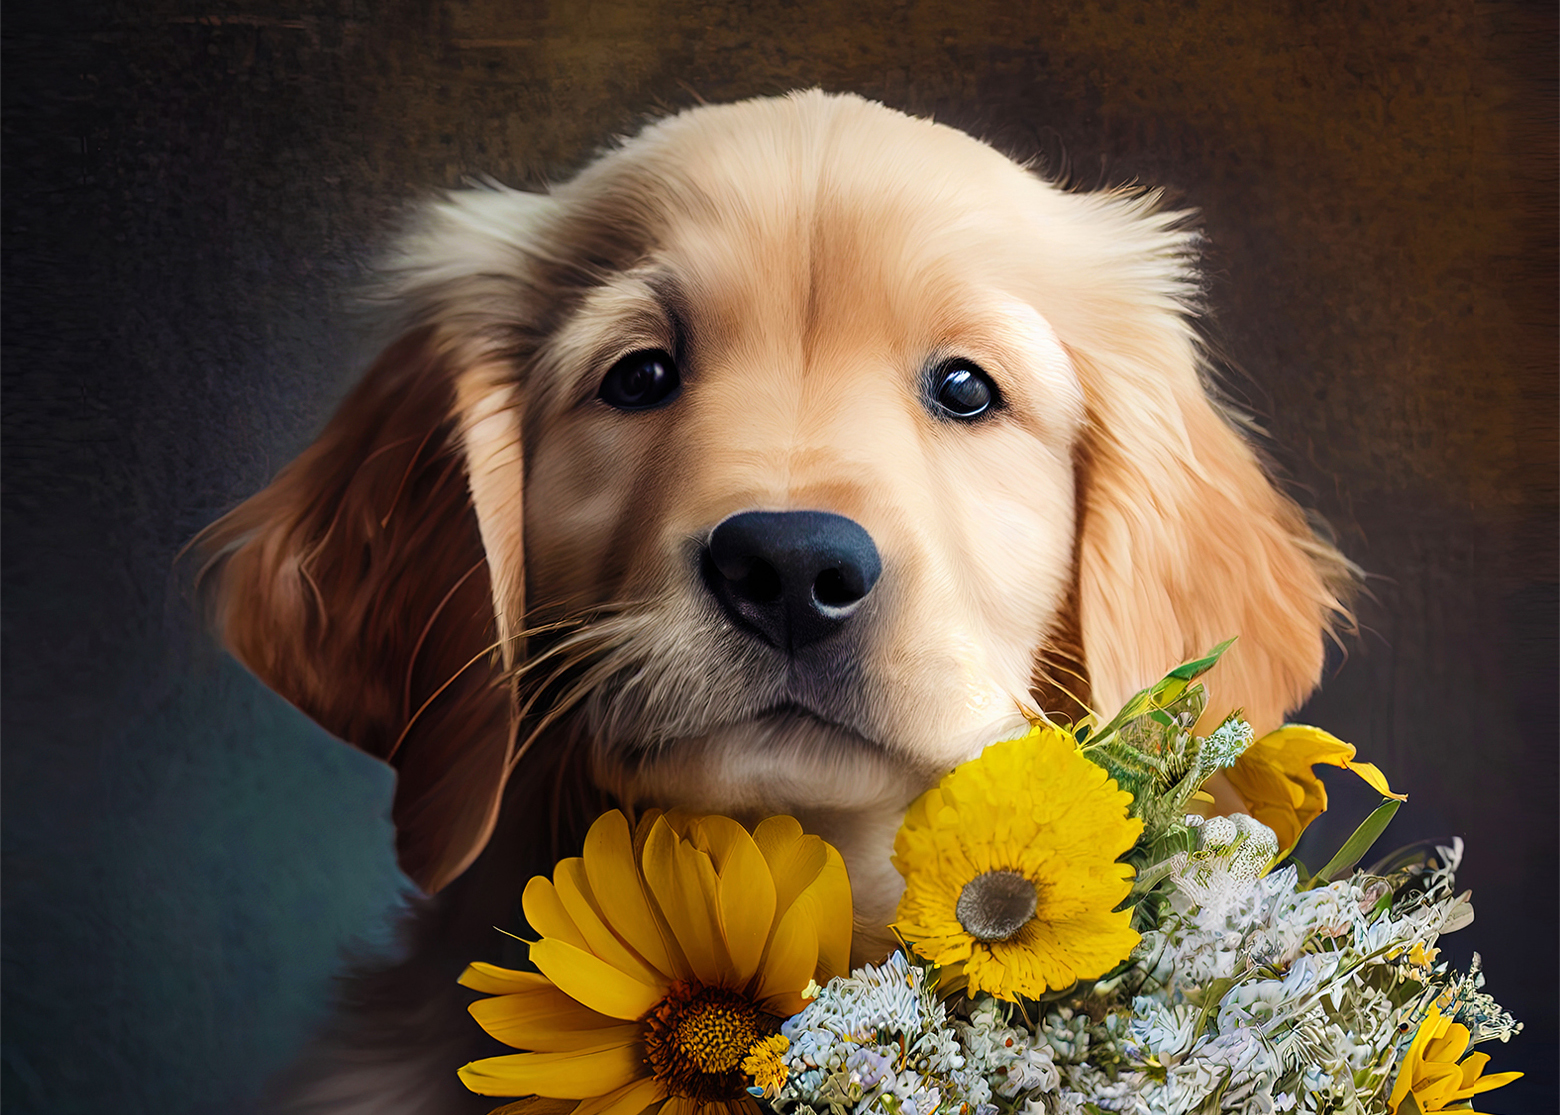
{"x":857,"y":187}
{"x":843,"y":185}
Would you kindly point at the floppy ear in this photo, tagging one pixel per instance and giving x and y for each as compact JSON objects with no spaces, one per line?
{"x":1184,"y":541}
{"x":377,"y":583}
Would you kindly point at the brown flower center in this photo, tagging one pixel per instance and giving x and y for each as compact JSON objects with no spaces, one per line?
{"x":696,"y":1038}
{"x":995,"y":905}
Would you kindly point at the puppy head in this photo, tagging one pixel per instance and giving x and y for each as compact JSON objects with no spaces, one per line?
{"x":803,"y":441}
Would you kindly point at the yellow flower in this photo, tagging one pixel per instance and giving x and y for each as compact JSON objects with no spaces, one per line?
{"x":1011,"y":879}
{"x":765,"y":1063}
{"x":1430,"y":1071}
{"x":1274,"y":778}
{"x":666,"y":954}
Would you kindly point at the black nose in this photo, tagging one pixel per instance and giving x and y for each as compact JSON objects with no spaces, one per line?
{"x":791,"y":576}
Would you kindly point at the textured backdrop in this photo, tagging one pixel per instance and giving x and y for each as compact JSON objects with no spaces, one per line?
{"x":192,"y":190}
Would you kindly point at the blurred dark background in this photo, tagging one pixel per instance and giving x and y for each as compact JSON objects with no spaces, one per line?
{"x":192,"y":191}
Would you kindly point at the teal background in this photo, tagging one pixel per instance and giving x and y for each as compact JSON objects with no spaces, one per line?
{"x":192,"y":190}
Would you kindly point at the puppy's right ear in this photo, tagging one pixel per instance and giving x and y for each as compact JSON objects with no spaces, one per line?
{"x":363,"y":585}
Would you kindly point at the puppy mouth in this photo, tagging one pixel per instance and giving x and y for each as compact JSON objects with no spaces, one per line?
{"x":793,"y":712}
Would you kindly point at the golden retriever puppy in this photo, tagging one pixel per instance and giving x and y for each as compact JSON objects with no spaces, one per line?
{"x":776,"y":463}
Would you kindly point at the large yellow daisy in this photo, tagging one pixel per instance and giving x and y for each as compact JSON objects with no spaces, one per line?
{"x":666,"y":955}
{"x":1011,"y":879}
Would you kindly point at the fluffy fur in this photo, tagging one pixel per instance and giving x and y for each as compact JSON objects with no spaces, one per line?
{"x":489,"y":578}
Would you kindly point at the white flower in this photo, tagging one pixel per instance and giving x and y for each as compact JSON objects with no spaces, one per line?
{"x":1161,"y":1031}
{"x":1225,"y":744}
{"x":1268,"y":1004}
{"x":1233,"y":852}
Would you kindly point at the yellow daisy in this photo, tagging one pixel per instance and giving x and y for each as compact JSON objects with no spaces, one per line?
{"x":1431,"y":1071}
{"x":1011,"y":879}
{"x":666,"y":955}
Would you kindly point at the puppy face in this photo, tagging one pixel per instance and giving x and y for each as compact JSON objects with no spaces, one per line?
{"x":809,"y":353}
{"x":797,"y":435}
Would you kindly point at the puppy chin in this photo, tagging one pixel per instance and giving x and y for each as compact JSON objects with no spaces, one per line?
{"x":840,"y":786}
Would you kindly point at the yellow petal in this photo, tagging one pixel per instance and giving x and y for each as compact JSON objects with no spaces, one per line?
{"x":610,"y":862}
{"x":790,"y":964}
{"x":538,"y":1105}
{"x":1270,"y":797}
{"x":1410,"y":1062}
{"x":744,"y":1105}
{"x":1304,"y":745}
{"x":493,"y":980}
{"x":1448,"y":1046}
{"x":1374,"y":778}
{"x":826,"y":903}
{"x":794,"y":857}
{"x":548,"y":1021}
{"x":628,"y":1100}
{"x":556,"y":1075}
{"x":1487,"y":1083}
{"x":682,"y":882}
{"x":1472,"y":1066}
{"x":1434,"y":1085}
{"x":745,"y":892}
{"x":593,"y":982}
{"x":545,"y":912}
{"x":574,"y":891}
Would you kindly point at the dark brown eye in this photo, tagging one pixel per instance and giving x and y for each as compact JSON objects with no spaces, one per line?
{"x":961,"y":390}
{"x":641,"y":380}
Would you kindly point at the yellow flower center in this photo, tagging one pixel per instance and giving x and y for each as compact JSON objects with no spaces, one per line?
{"x":995,"y":905}
{"x":697,"y":1037}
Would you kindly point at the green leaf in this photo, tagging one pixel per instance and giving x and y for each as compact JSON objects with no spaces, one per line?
{"x":1356,"y":846}
{"x":1190,"y":671}
{"x":1302,"y":874}
{"x":1409,"y":1106}
{"x":1163,"y":693}
{"x":1147,"y":881}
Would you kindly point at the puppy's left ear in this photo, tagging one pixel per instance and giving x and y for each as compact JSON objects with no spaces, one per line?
{"x":1184,"y":540}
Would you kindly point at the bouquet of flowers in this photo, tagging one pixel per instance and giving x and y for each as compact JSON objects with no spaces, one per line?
{"x":1076,"y":938}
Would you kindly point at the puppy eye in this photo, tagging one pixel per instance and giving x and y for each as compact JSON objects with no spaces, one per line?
{"x":641,"y":380}
{"x":961,"y":390}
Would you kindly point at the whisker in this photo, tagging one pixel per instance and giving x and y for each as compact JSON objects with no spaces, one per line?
{"x":1057,"y":665}
{"x":410,"y":465}
{"x":540,"y":690}
{"x":1050,"y":681}
{"x":396,"y":746}
{"x":589,"y":682}
{"x":411,"y":662}
{"x":562,"y":707}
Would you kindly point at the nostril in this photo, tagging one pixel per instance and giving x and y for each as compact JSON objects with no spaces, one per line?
{"x":760,"y":583}
{"x":832,"y":590}
{"x":747,"y":578}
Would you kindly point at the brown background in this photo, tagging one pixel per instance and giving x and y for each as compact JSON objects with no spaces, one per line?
{"x":192,"y":190}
